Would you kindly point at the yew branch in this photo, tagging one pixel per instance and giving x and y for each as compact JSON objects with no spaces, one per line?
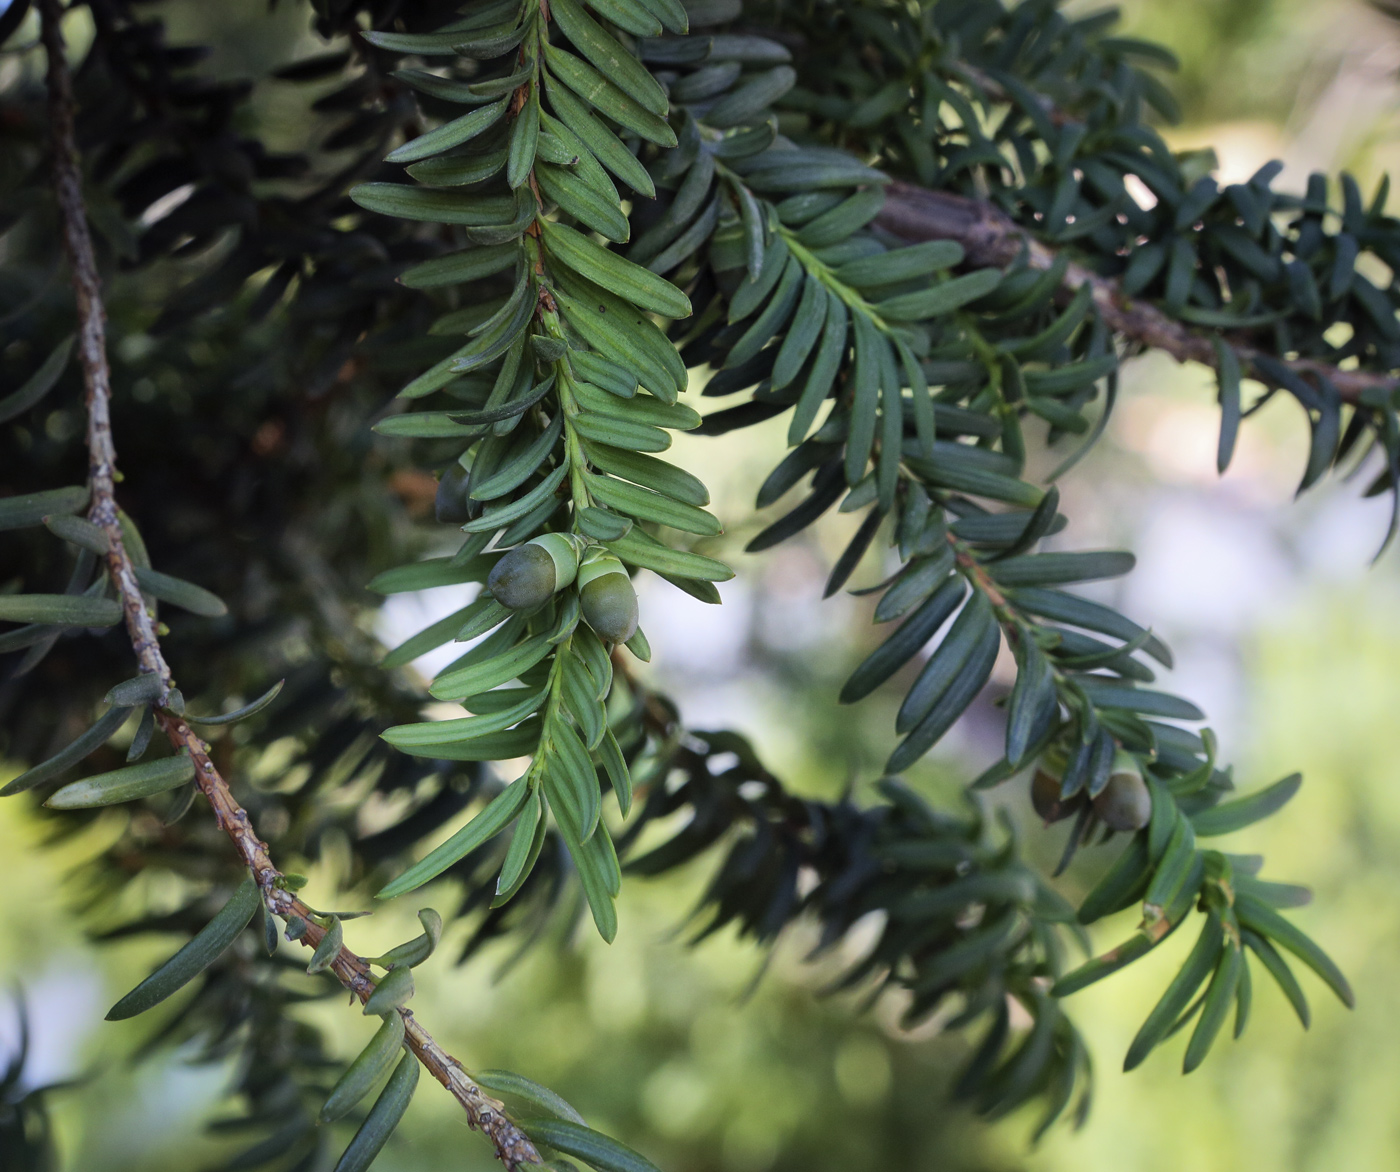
{"x":513,"y":1148}
{"x":991,"y":237}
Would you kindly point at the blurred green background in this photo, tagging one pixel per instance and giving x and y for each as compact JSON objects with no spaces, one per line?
{"x":1283,"y":631}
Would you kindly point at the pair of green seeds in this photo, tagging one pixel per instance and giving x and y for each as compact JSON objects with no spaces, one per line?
{"x":530,"y":574}
{"x":1124,"y":803}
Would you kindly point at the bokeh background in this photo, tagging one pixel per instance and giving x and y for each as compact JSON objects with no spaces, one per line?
{"x":706,"y":1060}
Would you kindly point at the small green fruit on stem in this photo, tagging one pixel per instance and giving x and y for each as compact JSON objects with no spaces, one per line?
{"x":1045,"y":796}
{"x":1124,"y":803}
{"x":450,"y":504}
{"x":606,"y":597}
{"x":530,"y":574}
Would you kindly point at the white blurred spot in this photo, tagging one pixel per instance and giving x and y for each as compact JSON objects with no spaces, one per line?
{"x":63,"y":1004}
{"x":693,"y":639}
{"x":404,"y":615}
{"x":166,"y":204}
{"x":1141,"y":194}
{"x":792,"y":615}
{"x":1205,"y":567}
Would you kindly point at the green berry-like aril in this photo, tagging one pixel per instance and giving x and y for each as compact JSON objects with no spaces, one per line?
{"x":609,"y":606}
{"x":523,"y":579}
{"x":1046,"y":800}
{"x":526,"y":577}
{"x":1125,"y":803}
{"x":450,"y":504}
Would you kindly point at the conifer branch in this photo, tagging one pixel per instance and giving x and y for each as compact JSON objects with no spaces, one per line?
{"x":990,"y":237}
{"x":483,"y":1112}
{"x":92,"y":351}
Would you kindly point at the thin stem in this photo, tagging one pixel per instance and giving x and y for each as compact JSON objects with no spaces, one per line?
{"x":1015,"y":623}
{"x":988,"y":356}
{"x":551,"y":711}
{"x":974,"y":572}
{"x":483,"y":1112}
{"x":573,"y":445}
{"x":92,"y":352}
{"x":823,"y":273}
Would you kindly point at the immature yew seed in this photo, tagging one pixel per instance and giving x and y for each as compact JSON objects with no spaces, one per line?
{"x":529,"y":574}
{"x":450,"y":504}
{"x":1046,"y":800}
{"x":1125,"y":802}
{"x":523,"y":579}
{"x":606,"y":597}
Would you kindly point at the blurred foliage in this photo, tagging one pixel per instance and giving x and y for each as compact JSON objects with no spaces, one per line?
{"x":1237,"y":56}
{"x":686,"y":1059}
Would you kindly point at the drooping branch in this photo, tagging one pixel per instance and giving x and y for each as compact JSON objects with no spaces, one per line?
{"x":483,"y":1112}
{"x":92,"y":351}
{"x":991,"y":237}
{"x":513,"y":1148}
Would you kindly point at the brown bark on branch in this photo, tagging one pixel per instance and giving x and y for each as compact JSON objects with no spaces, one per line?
{"x":991,"y":237}
{"x":92,"y":351}
{"x":483,"y":1112}
{"x":513,"y":1148}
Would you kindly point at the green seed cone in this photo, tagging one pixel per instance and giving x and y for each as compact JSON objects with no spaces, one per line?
{"x":523,"y":579}
{"x":450,"y":504}
{"x":609,"y":606}
{"x":1046,"y":800}
{"x":526,"y":577}
{"x":1125,"y":802}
